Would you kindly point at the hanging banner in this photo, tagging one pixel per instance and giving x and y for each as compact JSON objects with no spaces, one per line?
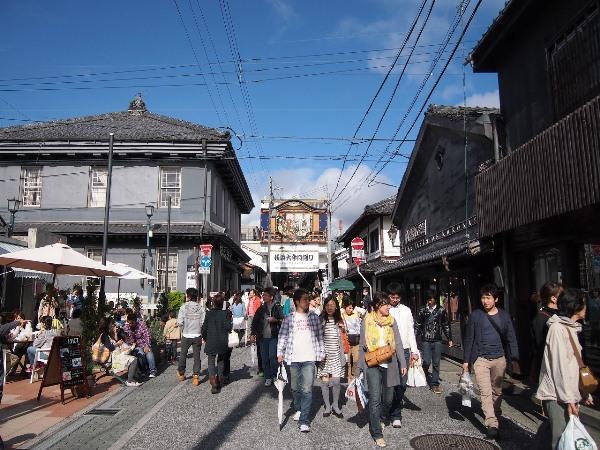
{"x":294,"y":261}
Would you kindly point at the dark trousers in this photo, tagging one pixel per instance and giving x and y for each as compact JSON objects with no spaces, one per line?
{"x":227,"y":362}
{"x":171,"y":348}
{"x":215,"y":366}
{"x":399,"y":391}
{"x":196,"y":344}
{"x":432,"y":354}
{"x":268,"y":351}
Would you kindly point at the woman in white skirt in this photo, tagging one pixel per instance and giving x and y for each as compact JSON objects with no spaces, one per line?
{"x":332,"y":369}
{"x":238,"y":311}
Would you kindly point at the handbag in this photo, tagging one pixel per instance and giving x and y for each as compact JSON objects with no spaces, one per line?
{"x":233,"y":339}
{"x":353,"y":339}
{"x":100,"y":353}
{"x":345,"y":342}
{"x":379,"y":355}
{"x":588,"y":383}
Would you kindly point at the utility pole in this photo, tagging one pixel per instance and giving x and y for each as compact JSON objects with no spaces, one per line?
{"x":204,"y":290}
{"x":166,"y":289}
{"x":102,"y":296}
{"x":269,"y":281}
{"x":329,"y":244}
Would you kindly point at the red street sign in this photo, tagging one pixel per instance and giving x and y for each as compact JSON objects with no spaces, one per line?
{"x":206,"y":250}
{"x":357,"y":261}
{"x":357,"y":243}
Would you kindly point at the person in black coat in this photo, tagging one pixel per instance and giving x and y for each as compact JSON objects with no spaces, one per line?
{"x":215,"y":332}
{"x":4,"y":332}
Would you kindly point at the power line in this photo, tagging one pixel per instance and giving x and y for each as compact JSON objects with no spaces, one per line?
{"x":389,"y":103}
{"x":456,"y":46}
{"x":379,"y":89}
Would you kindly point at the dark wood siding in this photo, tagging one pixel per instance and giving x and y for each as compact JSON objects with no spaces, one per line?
{"x":558,"y":171}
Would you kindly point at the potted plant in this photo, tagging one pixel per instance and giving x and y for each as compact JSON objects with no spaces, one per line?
{"x":90,"y":317}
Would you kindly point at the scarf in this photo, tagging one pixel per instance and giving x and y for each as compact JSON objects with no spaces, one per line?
{"x":372,"y":331}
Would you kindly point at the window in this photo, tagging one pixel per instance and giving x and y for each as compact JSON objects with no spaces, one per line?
{"x":366,"y":248}
{"x":170,"y":186}
{"x":161,"y":267}
{"x":374,"y":241}
{"x":574,"y":63}
{"x":95,"y":254}
{"x":31,"y":186}
{"x":98,"y":181}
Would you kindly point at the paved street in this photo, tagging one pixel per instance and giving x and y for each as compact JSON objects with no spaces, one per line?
{"x":165,"y":414}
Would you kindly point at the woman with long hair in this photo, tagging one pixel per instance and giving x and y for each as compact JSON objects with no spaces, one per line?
{"x":379,"y":330}
{"x":332,"y":369}
{"x":108,"y":337}
{"x":215,"y":331}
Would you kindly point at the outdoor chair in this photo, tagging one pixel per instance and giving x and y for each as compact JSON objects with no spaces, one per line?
{"x":41,"y":355}
{"x":107,"y":371}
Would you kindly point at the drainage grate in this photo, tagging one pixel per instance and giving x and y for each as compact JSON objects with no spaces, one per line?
{"x":102,"y":412}
{"x":449,"y":442}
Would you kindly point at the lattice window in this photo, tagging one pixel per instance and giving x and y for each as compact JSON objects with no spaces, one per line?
{"x":31,"y":186}
{"x":98,"y":183}
{"x":170,"y":186}
{"x":161,"y":267}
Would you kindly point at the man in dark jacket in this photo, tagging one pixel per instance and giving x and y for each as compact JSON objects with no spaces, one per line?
{"x":489,"y":343}
{"x":265,"y":327}
{"x":4,"y":332}
{"x":432,"y":322}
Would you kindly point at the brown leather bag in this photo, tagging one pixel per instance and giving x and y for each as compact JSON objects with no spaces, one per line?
{"x":379,"y":355}
{"x":588,"y":383}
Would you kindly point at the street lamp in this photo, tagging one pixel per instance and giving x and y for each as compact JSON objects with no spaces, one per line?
{"x":392,"y":234}
{"x":13,"y":207}
{"x":149,"y":214}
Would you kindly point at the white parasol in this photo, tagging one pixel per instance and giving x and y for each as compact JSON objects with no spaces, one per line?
{"x":280,"y":383}
{"x":57,"y":259}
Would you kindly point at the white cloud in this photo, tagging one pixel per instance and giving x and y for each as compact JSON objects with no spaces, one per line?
{"x":313,"y":183}
{"x":486,"y":99}
{"x":284,"y":9}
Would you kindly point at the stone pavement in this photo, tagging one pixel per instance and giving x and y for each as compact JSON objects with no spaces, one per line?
{"x":166,"y":414}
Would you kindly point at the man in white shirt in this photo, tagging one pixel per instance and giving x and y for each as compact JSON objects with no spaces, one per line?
{"x":404,"y":319}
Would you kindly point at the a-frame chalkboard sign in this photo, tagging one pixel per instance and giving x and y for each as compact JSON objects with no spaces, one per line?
{"x":66,"y":366}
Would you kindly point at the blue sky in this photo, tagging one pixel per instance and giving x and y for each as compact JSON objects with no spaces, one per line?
{"x":111,"y":50}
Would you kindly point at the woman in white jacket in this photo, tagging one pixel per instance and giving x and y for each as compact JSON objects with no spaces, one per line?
{"x":559,"y":377}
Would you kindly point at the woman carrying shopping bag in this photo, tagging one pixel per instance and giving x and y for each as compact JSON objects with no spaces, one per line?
{"x":382,"y":361}
{"x":332,"y":369}
{"x":559,"y":383}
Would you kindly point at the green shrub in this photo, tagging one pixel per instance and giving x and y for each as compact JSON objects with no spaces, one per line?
{"x":176,"y":300}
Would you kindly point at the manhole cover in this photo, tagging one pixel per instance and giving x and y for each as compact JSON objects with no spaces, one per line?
{"x":450,"y":441}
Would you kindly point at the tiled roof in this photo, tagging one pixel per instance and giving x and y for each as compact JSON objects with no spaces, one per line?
{"x":423,"y":258}
{"x":72,"y":228}
{"x":458,"y":112}
{"x":383,"y":207}
{"x":371,"y":267}
{"x":126,"y":125}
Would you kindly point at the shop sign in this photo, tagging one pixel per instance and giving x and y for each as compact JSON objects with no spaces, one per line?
{"x":294,"y":261}
{"x":415,"y":231}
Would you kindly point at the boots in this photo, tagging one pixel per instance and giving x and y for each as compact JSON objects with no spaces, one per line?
{"x":180,"y":376}
{"x":196,"y":380}
{"x":214,"y":385}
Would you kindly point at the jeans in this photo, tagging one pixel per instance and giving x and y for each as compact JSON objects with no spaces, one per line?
{"x":380,"y":398}
{"x":196,"y":344}
{"x":215,"y":370}
{"x":432,"y":353}
{"x":31,"y":354}
{"x":302,"y":376}
{"x":268,"y":351}
{"x":131,"y":371}
{"x":558,"y":416}
{"x":396,"y":408}
{"x":171,"y":348}
{"x":149,"y":358}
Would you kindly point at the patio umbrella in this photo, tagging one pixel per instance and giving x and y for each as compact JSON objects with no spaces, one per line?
{"x":342,"y":285}
{"x":280,"y":383}
{"x":127,"y":273}
{"x":57,"y":259}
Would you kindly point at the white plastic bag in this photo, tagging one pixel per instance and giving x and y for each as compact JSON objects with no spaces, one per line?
{"x":575,"y":437}
{"x":234,"y":339}
{"x":416,"y":375}
{"x":466,"y":389}
{"x":361,"y":392}
{"x":253,"y":356}
{"x":351,"y":391}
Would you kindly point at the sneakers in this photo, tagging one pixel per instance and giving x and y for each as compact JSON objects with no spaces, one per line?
{"x":382,"y":426}
{"x":180,"y":376}
{"x":436,"y":390}
{"x":195,"y":380}
{"x":297,"y":416}
{"x":397,"y":423}
{"x":491,"y":433}
{"x":305,"y":428}
{"x":132,"y":384}
{"x":152,"y":375}
{"x":268,"y":382}
{"x":380,"y":442}
{"x":260,"y":374}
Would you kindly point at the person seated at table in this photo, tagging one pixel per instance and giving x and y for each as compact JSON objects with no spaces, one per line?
{"x":5,"y":330}
{"x":43,"y":340}
{"x":107,"y":330}
{"x":74,"y":327}
{"x":21,"y":336}
{"x":137,"y":333}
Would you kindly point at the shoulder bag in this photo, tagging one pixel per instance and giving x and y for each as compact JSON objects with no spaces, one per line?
{"x":379,"y":355}
{"x":100,"y":353}
{"x":588,"y":383}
